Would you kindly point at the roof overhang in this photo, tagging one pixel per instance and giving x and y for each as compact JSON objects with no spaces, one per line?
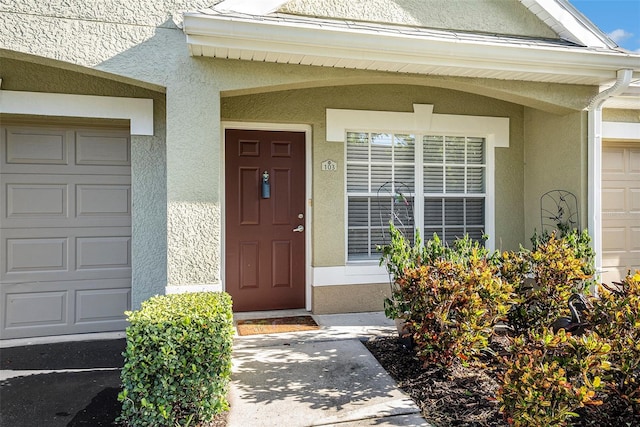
{"x":345,"y":44}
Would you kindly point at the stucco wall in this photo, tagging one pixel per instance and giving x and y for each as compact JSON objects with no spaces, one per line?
{"x":309,"y":106}
{"x":148,"y":178}
{"x":555,"y":158}
{"x":620,"y":115}
{"x":490,"y":16}
{"x":141,"y":40}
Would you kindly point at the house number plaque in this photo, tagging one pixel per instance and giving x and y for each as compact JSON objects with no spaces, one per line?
{"x":329,"y":165}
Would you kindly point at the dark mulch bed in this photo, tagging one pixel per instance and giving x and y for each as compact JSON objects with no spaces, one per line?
{"x":465,"y":396}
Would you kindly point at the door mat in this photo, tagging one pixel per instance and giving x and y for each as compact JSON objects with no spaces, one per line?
{"x":276,"y":325}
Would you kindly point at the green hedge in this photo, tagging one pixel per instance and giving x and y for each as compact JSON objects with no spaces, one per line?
{"x":178,"y":360}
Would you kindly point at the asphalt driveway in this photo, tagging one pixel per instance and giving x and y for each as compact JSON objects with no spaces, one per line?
{"x":61,"y":384}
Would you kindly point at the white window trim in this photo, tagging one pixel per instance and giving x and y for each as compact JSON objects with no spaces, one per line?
{"x":422,"y":120}
{"x":139,"y":111}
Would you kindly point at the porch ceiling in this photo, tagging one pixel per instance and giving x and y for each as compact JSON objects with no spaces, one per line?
{"x":291,"y":39}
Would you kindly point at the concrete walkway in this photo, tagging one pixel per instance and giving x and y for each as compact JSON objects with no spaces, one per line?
{"x":325,"y":377}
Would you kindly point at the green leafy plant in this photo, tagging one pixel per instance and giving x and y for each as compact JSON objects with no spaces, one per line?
{"x":548,"y":376}
{"x":545,"y":278}
{"x":616,"y":317}
{"x":450,"y":297}
{"x":177,"y":360}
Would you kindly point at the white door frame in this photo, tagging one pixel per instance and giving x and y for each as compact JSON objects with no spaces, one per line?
{"x":308,"y":191}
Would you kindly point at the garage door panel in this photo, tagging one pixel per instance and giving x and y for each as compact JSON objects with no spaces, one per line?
{"x":103,"y":200}
{"x":50,"y":200}
{"x":28,"y":309}
{"x":100,"y":148}
{"x":103,"y":253}
{"x":102,"y":305}
{"x":613,"y":199}
{"x":59,"y":151}
{"x":36,"y":255}
{"x":84,"y":253}
{"x":64,"y":307}
{"x":614,"y":239}
{"x":37,"y":146}
{"x":634,"y":200}
{"x":634,"y":161}
{"x":613,"y":160}
{"x":33,"y":200}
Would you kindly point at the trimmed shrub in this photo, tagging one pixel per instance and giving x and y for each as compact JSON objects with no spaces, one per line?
{"x":177,"y":360}
{"x":548,"y":376}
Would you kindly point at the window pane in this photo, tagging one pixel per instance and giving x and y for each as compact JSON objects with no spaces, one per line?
{"x":453,"y":234}
{"x":381,"y":147}
{"x":357,"y":178}
{"x":433,"y":147}
{"x":358,"y":243}
{"x":454,"y":149}
{"x":377,"y":238}
{"x":454,"y":179}
{"x":475,"y":212}
{"x":433,"y":181}
{"x":358,"y":211}
{"x":475,"y":233}
{"x":379,"y":175}
{"x":357,"y":146}
{"x":404,"y":150}
{"x":475,"y":180}
{"x":432,"y":212}
{"x":454,"y":212}
{"x":475,"y":151}
{"x":381,"y":211}
{"x":429,"y":232}
{"x":405,"y":175}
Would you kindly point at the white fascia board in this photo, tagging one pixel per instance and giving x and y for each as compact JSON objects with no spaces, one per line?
{"x":283,"y":37}
{"x":566,"y":16}
{"x":138,"y":111}
{"x":621,"y":130}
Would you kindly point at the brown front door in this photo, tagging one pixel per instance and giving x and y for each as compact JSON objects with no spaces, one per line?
{"x":265,"y":237}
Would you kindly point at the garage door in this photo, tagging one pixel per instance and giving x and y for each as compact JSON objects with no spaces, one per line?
{"x":620,"y":210}
{"x":65,"y":230}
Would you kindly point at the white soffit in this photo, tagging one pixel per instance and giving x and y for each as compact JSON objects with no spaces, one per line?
{"x":347,"y":44}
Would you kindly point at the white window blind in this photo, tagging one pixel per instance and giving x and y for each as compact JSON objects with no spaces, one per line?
{"x":384,"y":171}
{"x":374,"y":162}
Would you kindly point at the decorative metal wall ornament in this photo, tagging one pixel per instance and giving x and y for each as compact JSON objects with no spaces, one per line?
{"x":559,"y":211}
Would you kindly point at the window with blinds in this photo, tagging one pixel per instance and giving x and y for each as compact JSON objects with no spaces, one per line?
{"x":444,"y":177}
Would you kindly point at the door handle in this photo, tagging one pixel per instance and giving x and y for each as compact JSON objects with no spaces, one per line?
{"x":299,"y":229}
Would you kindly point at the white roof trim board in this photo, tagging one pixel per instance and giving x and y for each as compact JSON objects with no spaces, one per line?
{"x":568,"y":22}
{"x":301,"y":40}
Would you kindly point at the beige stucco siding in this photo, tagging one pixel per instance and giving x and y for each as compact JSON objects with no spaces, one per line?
{"x":555,"y":158}
{"x":309,"y":106}
{"x":620,"y":115}
{"x":490,"y":16}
